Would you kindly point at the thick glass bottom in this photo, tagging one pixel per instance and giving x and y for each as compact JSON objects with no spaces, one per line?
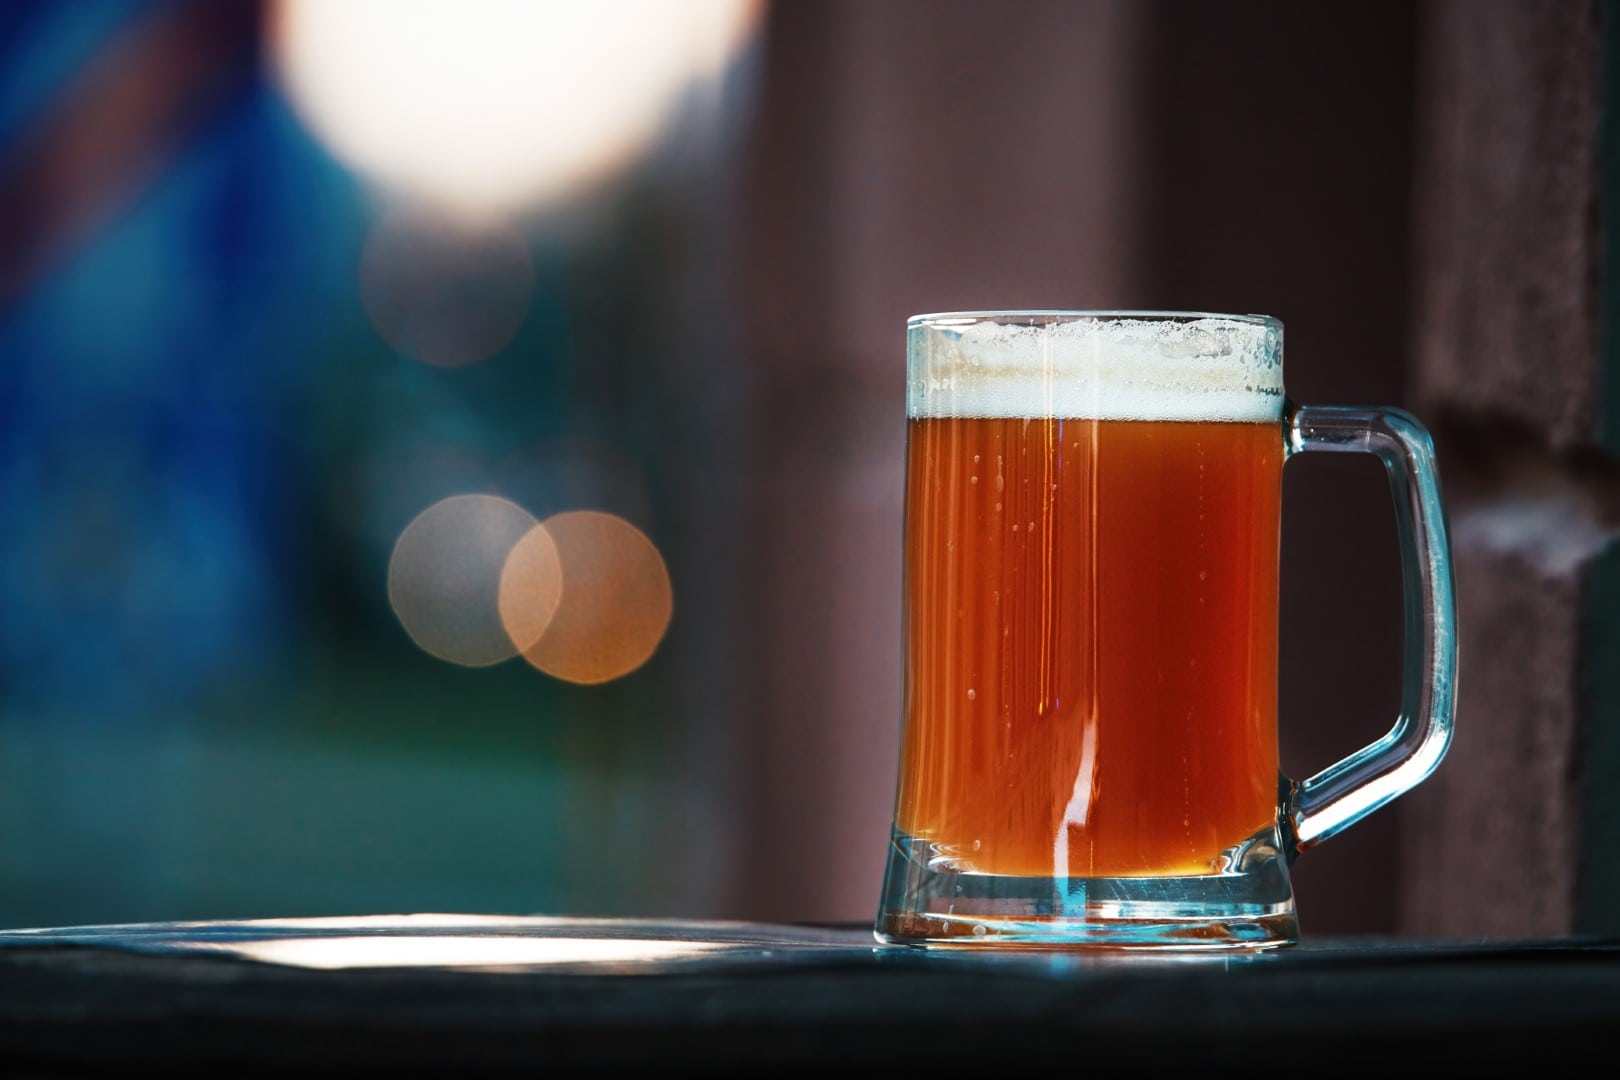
{"x":933,"y":901}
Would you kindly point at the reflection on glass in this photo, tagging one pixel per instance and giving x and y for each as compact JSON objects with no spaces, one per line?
{"x":452,"y":951}
{"x":603,"y":945}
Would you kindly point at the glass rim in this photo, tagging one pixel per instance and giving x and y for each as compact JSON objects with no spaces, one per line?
{"x":1037,"y":316}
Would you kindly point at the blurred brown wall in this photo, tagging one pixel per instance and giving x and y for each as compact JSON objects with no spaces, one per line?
{"x":913,"y":156}
{"x":1517,"y":833}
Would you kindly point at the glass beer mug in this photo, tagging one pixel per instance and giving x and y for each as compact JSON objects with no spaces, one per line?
{"x":1089,"y":748}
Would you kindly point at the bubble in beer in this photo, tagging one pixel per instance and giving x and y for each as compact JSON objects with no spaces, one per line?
{"x":444,"y":577}
{"x":615,"y":602}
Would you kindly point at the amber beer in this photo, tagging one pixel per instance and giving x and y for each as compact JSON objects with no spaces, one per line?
{"x":1091,"y":635}
{"x":1089,"y":747}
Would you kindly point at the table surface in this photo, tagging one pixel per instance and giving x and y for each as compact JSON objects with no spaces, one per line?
{"x":503,"y":994}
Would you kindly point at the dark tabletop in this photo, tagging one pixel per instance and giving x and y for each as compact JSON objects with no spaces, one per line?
{"x":446,"y":992}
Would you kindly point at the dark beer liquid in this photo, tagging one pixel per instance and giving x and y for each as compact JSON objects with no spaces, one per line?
{"x":1091,"y":657}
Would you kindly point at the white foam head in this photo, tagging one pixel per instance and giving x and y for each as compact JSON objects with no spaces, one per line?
{"x":1095,"y":365}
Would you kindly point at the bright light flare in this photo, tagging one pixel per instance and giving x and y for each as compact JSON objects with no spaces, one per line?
{"x":495,"y":105}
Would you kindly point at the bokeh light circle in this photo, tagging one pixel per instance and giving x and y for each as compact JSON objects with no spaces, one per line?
{"x":444,"y":577}
{"x":443,"y":293}
{"x":615,"y":604}
{"x":531,"y":588}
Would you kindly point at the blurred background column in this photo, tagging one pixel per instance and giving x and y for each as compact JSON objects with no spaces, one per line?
{"x":1516,"y":300}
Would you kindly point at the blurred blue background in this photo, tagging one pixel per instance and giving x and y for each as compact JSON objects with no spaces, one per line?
{"x":330,"y":331}
{"x":219,"y":408}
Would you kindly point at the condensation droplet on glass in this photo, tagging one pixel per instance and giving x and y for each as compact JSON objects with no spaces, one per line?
{"x":1203,"y":575}
{"x":972,"y":693}
{"x":980,"y":930}
{"x":973,"y":479}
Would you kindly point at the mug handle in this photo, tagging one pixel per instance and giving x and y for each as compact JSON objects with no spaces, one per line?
{"x":1349,"y":790}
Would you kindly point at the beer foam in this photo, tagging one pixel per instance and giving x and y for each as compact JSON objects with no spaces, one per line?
{"x":1095,"y":367}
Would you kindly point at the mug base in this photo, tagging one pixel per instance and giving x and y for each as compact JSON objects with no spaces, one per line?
{"x":935,"y":902}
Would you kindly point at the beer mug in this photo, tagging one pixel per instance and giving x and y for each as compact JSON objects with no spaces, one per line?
{"x":1089,"y":739}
